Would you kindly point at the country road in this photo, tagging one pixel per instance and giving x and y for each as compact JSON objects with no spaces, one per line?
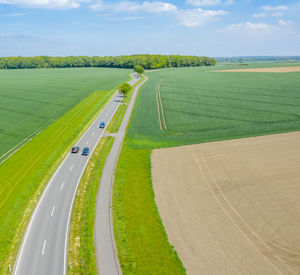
{"x":44,"y":246}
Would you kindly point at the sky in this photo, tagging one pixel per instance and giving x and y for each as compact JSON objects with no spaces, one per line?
{"x":120,"y":27}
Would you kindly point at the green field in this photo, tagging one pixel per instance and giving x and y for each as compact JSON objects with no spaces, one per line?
{"x":201,"y":105}
{"x":33,"y":99}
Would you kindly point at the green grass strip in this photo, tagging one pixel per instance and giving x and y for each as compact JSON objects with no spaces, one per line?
{"x":116,"y":121}
{"x":25,"y":174}
{"x":82,"y":251}
{"x":143,"y":246}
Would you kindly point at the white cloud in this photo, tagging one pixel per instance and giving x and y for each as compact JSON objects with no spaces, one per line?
{"x":129,"y":6}
{"x":284,"y":23}
{"x":52,"y":4}
{"x":198,"y":17}
{"x":202,"y":3}
{"x":199,"y":3}
{"x":277,"y":14}
{"x":259,"y":15}
{"x":274,"y":8}
{"x":248,"y":26}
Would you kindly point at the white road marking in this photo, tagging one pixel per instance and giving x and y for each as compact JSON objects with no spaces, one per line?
{"x":87,"y":142}
{"x":44,"y":246}
{"x":52,"y":210}
{"x":71,"y":168}
{"x":62,"y":186}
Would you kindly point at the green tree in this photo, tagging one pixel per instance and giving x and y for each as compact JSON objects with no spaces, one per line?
{"x":124,"y":89}
{"x":139,"y":69}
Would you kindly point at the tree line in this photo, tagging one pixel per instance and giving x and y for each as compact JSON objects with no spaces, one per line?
{"x":146,"y":61}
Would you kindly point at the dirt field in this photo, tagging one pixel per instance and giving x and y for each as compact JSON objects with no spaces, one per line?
{"x":232,"y":207}
{"x":266,"y":70}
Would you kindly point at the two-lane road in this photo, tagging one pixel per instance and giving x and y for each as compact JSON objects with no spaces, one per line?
{"x":44,"y":247}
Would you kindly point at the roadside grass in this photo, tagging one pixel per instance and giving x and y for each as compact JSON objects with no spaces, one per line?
{"x":142,"y":243}
{"x":26,"y":173}
{"x":116,"y":121}
{"x":31,"y":99}
{"x":82,"y":252}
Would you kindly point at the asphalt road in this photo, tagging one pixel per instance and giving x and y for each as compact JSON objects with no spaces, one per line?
{"x":107,"y":259}
{"x":44,"y":247}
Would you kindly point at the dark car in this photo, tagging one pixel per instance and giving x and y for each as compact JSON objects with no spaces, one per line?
{"x":85,"y":151}
{"x":75,"y":149}
{"x":102,"y":124}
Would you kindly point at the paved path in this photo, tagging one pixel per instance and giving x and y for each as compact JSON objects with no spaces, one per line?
{"x":44,"y":248}
{"x":107,"y":259}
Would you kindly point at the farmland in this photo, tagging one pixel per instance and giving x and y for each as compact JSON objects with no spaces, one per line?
{"x":32,"y":99}
{"x":201,"y":105}
{"x":198,"y":105}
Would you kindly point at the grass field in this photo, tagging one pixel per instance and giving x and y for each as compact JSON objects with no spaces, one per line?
{"x":201,"y":105}
{"x":82,"y":252}
{"x":33,"y":99}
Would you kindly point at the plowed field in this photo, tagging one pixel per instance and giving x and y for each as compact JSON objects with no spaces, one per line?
{"x":232,"y":207}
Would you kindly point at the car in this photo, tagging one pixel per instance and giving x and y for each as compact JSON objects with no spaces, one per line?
{"x":85,"y":151}
{"x":75,"y":149}
{"x":102,"y":124}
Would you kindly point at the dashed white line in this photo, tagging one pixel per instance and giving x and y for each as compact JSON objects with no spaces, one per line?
{"x":52,"y":210}
{"x":87,"y":142}
{"x":71,"y":168}
{"x":62,"y":186}
{"x":44,"y":246}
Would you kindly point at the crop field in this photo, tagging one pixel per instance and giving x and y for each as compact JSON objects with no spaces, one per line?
{"x":193,"y":105}
{"x":33,"y":99}
{"x":232,"y":207}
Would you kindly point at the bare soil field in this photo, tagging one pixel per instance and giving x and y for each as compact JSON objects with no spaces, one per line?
{"x":267,"y":70}
{"x":232,"y":207}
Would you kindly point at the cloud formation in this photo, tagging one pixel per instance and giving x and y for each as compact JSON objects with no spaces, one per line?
{"x":203,"y":3}
{"x":274,"y":8}
{"x":198,"y":17}
{"x":129,"y":6}
{"x":52,"y":4}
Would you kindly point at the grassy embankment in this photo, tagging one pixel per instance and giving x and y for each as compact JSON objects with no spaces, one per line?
{"x":20,"y":188}
{"x":199,"y":106}
{"x":81,"y":251}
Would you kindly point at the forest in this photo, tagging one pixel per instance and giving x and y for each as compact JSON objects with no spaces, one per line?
{"x":146,"y":61}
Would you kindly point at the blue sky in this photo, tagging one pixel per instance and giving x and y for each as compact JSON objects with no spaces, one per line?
{"x":118,"y":27}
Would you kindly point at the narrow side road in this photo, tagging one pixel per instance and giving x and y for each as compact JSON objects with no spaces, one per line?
{"x":107,"y":258}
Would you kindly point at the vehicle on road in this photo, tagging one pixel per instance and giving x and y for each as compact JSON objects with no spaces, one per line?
{"x":85,"y":151}
{"x":102,"y":124}
{"x":75,"y":149}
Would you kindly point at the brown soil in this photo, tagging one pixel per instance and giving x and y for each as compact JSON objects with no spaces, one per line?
{"x":267,"y":70}
{"x":232,"y":207}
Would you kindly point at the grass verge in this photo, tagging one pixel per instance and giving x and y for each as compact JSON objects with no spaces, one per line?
{"x":116,"y":121}
{"x":25,"y":174}
{"x":142,"y":242}
{"x":82,"y":253}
